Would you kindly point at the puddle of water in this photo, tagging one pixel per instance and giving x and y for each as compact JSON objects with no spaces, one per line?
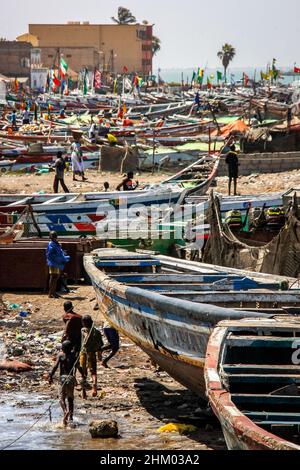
{"x":20,"y":411}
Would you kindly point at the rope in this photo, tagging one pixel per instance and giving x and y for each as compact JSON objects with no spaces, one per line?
{"x":48,"y":410}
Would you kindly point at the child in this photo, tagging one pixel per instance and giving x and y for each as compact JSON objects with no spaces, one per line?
{"x":66,"y":360}
{"x":113,"y":346}
{"x":91,"y":343}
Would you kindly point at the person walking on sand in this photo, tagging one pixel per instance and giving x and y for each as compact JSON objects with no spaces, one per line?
{"x":66,"y":361}
{"x":232,"y":162}
{"x":113,"y":345}
{"x":77,"y":161}
{"x":91,"y":345}
{"x":60,"y":166}
{"x":56,"y":261}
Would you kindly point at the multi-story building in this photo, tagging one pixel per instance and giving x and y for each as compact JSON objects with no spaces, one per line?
{"x":108,"y":47}
{"x":15,"y":58}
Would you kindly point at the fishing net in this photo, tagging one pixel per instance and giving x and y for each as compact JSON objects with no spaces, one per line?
{"x":281,"y":256}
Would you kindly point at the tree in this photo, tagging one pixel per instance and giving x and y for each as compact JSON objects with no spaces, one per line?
{"x":156,"y":45}
{"x":124,"y":16}
{"x":226,"y":55}
{"x":3,"y":40}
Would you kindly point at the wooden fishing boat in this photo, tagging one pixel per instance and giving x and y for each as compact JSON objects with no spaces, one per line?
{"x":252,"y":376}
{"x":167,"y":306}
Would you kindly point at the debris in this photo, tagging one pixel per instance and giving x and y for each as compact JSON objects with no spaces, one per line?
{"x":103,"y":429}
{"x":177,"y":427}
{"x":15,"y":366}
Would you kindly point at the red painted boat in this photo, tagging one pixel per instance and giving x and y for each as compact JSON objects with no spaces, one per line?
{"x":252,"y":376}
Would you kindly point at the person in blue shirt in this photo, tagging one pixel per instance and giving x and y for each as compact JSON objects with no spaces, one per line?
{"x":56,"y":261}
{"x":197,"y":100}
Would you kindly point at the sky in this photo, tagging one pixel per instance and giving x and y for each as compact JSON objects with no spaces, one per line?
{"x":191,"y":31}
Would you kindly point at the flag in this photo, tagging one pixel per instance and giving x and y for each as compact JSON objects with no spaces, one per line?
{"x":209,"y":85}
{"x":115,"y":86}
{"x":296,"y":70}
{"x":125,"y":69}
{"x":200,"y":75}
{"x":63,"y":67}
{"x":124,"y":109}
{"x":56,"y":82}
{"x":246,"y":80}
{"x":85,"y":82}
{"x":16,"y":85}
{"x":265,"y":76}
{"x":219,"y":76}
{"x":97,"y":79}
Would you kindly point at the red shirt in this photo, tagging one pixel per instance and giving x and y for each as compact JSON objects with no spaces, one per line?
{"x":73,"y":328}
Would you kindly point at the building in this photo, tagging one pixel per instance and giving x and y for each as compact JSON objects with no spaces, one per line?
{"x":15,"y":58}
{"x":108,"y":47}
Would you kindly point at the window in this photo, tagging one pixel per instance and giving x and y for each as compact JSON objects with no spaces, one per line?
{"x":69,"y":56}
{"x":50,"y":56}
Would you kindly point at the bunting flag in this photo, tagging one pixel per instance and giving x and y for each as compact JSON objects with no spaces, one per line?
{"x":97,"y":79}
{"x":246,"y":80}
{"x":63,"y":67}
{"x":219,"y":76}
{"x":296,"y":70}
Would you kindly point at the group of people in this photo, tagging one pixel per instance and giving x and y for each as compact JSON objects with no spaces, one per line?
{"x":82,"y":345}
{"x":60,"y":166}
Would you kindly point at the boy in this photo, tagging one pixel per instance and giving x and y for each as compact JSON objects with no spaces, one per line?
{"x":113,"y":346}
{"x":66,"y":361}
{"x":91,"y":343}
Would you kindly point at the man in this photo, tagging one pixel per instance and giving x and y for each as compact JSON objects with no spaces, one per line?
{"x":77,"y":161}
{"x":113,"y":345}
{"x":92,"y":132}
{"x":60,"y":166}
{"x":26,"y":119}
{"x":233,"y":169}
{"x":14,"y":120}
{"x":56,"y":261}
{"x":73,"y":322}
{"x":66,"y":361}
{"x":128,"y":184}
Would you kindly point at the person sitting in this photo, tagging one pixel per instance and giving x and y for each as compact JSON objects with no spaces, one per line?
{"x":128,"y":184}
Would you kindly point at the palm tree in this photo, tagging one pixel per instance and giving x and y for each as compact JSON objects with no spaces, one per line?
{"x":124,"y":16}
{"x":156,"y":45}
{"x":3,"y":40}
{"x":226,"y":55}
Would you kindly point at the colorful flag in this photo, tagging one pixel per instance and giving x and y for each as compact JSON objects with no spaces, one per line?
{"x":219,"y":76}
{"x":97,"y":79}
{"x":125,"y":69}
{"x":16,"y":85}
{"x":209,"y":85}
{"x":246,"y":80}
{"x":85,"y":82}
{"x":56,"y":82}
{"x":200,"y":75}
{"x":265,"y":76}
{"x":296,"y":70}
{"x":63,"y":67}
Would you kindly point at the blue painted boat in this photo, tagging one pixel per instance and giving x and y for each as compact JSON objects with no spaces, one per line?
{"x":169,"y":307}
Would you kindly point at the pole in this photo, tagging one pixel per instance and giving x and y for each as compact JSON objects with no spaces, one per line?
{"x":209,"y":140}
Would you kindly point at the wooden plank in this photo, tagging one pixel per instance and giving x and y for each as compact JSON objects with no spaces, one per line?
{"x":262,"y":379}
{"x":273,"y":417}
{"x":126,"y":263}
{"x":260,"y":341}
{"x":266,"y":369}
{"x":247,"y":399}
